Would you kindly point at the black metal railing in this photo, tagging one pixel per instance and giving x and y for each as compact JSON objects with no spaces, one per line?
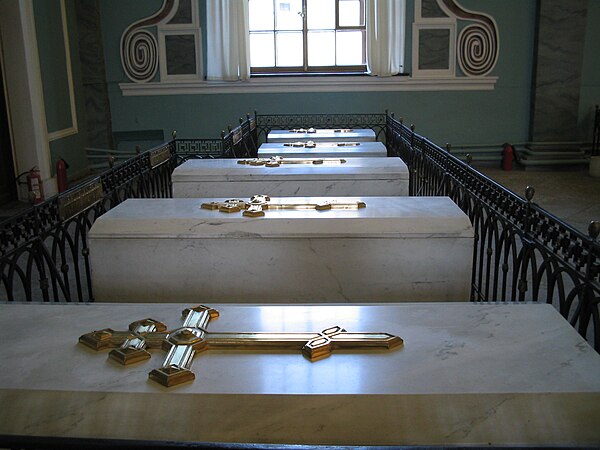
{"x":43,"y":250}
{"x":521,"y":252}
{"x":267,"y":122}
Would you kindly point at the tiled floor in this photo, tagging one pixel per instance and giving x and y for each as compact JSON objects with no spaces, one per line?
{"x":570,"y":194}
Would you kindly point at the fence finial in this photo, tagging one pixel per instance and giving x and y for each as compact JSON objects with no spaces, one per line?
{"x":111,"y":161}
{"x":594,"y":229}
{"x":412,"y":127}
{"x":241,"y":119}
{"x":174,"y":134}
{"x":469,"y":159}
{"x":529,"y":193}
{"x":138,"y":149}
{"x":448,"y":147}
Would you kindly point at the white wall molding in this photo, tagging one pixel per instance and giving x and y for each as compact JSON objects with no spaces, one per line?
{"x":73,"y":129}
{"x":310,"y":84}
{"x":24,"y":91}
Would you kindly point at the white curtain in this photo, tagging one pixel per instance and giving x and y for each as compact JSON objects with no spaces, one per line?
{"x":227,"y":41}
{"x":385,"y":37}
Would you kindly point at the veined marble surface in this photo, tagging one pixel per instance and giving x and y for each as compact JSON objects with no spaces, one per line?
{"x":323,"y":135}
{"x":481,"y":374}
{"x":560,"y":37}
{"x":323,"y":150}
{"x":335,"y":177}
{"x":171,"y":250}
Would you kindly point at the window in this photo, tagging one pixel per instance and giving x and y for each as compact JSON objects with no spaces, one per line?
{"x":307,"y":36}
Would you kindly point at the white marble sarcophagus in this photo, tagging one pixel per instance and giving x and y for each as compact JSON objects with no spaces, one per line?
{"x":310,"y":149}
{"x":466,"y":374}
{"x":296,"y":177}
{"x":316,"y":249}
{"x":322,"y":135}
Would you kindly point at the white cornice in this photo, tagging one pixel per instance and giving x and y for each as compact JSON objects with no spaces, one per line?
{"x":310,"y":84}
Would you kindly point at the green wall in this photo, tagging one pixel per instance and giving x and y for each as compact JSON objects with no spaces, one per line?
{"x":52,"y":57}
{"x":459,"y":117}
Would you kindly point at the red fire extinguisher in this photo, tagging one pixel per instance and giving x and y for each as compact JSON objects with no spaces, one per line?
{"x":508,"y":154}
{"x":35,"y":186}
{"x":61,"y":175}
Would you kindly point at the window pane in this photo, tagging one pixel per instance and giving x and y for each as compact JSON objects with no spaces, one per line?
{"x":350,"y":48}
{"x":287,"y":14}
{"x":320,"y":14}
{"x":289,"y":49}
{"x":351,"y":13}
{"x":262,"y":50}
{"x":261,"y":15}
{"x":321,"y":48}
{"x":181,"y":54}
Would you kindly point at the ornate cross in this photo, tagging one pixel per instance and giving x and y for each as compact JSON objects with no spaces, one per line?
{"x":312,"y":144}
{"x":259,"y":203}
{"x":276,"y":161}
{"x":313,"y":130}
{"x":183,"y":343}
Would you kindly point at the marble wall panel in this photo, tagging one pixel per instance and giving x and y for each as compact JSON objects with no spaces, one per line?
{"x":93,"y":75}
{"x":561,"y":36}
{"x":434,"y":49}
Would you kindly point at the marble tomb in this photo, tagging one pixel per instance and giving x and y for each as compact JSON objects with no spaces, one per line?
{"x":467,"y":374}
{"x":322,"y":135}
{"x":309,"y":149}
{"x":173,"y":250}
{"x":310,"y":177}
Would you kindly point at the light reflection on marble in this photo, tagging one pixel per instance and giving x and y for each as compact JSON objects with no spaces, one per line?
{"x":171,"y":250}
{"x":468,"y":373}
{"x":322,"y":135}
{"x":323,"y":150}
{"x":226,"y":178}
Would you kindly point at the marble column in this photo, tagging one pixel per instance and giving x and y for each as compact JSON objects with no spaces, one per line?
{"x":93,"y":75}
{"x":557,"y":70}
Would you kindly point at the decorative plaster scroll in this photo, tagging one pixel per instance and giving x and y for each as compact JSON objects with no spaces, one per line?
{"x":139,"y":47}
{"x":477,"y":43}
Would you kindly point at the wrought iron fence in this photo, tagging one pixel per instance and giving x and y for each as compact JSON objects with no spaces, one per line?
{"x":43,"y":251}
{"x":521,"y":252}
{"x":267,"y":122}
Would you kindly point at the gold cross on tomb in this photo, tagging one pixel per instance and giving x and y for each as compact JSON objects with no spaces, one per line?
{"x":312,"y":144}
{"x":314,"y":130}
{"x":182,"y":344}
{"x":259,"y":203}
{"x":276,"y":161}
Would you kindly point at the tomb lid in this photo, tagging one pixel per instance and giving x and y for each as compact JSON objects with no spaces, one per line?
{"x":331,"y":168}
{"x":383,"y":217}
